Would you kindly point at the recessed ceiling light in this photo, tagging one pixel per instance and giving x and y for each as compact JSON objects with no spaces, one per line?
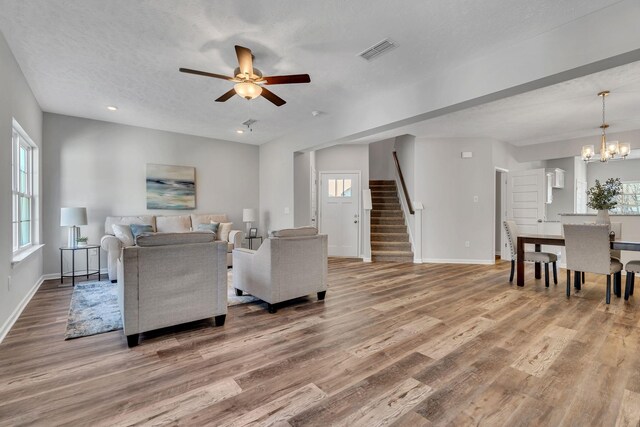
{"x":239,"y":131}
{"x":112,"y":108}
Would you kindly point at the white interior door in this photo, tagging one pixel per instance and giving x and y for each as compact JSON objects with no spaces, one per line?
{"x":526,"y":200}
{"x":340,"y":212}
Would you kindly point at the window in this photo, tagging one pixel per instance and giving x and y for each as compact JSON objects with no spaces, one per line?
{"x":339,"y":187}
{"x":22,"y":188}
{"x":629,"y":200}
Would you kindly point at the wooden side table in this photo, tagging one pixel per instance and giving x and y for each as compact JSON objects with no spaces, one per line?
{"x":72,"y":273}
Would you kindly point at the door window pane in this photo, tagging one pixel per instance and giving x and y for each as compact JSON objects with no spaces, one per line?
{"x":332,"y":188}
{"x":339,"y":187}
{"x":347,"y":188}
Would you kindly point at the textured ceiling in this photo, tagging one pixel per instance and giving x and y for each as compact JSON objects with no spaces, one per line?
{"x":559,"y":112}
{"x":80,"y":56}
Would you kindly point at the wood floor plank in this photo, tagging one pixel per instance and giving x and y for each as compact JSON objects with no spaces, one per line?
{"x":541,"y":354}
{"x":391,"y":405}
{"x":456,"y":338}
{"x":629,"y":414}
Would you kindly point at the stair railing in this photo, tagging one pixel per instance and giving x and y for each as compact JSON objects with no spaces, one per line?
{"x":404,"y":186}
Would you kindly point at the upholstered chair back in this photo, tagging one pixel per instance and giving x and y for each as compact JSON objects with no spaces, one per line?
{"x":587,"y":248}
{"x":512,"y":236}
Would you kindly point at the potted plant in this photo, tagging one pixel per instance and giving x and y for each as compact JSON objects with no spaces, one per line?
{"x":603,"y":197}
{"x":82,"y":241}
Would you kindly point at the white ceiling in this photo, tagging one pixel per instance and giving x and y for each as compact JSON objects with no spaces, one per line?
{"x":559,"y":112}
{"x":80,"y":56}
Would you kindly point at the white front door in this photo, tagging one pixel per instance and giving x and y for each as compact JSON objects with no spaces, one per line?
{"x":526,"y":200}
{"x":340,"y":212}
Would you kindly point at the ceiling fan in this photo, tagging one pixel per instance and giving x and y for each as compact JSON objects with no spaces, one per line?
{"x":250,"y":81}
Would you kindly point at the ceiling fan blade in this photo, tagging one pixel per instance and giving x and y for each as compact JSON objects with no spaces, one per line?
{"x":245,"y":60}
{"x":273,"y":97}
{"x":283,"y":80}
{"x":226,"y":96}
{"x":204,"y":73}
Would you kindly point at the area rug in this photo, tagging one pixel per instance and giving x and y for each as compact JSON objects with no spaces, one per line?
{"x":94,"y":310}
{"x":232,"y":298}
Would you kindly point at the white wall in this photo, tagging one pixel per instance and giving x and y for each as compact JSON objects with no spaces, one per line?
{"x":578,"y":48}
{"x":381,"y":165}
{"x":447,"y":184}
{"x":626,"y":170}
{"x":347,"y":158}
{"x":17,"y":101}
{"x":102,"y":166}
{"x":302,"y":189}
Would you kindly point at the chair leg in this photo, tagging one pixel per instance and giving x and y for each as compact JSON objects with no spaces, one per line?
{"x":272,"y":308}
{"x":321,"y":295}
{"x":627,"y":287}
{"x":132,"y":340}
{"x":619,"y":277}
{"x":238,"y":292}
{"x":583,"y":277}
{"x":219,"y":320}
{"x":608,"y":298}
{"x":633,"y":282}
{"x":555,"y":273}
{"x":546,"y":274}
{"x":513,"y":266}
{"x":568,"y":282}
{"x":576,"y":280}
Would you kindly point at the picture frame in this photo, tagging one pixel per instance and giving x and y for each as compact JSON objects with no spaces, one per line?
{"x":253,"y":232}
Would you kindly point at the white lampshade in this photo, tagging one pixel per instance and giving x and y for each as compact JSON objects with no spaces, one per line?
{"x":73,"y":216}
{"x":249,"y":215}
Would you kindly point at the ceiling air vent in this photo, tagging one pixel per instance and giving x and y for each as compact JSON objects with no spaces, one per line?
{"x":378,"y":49}
{"x":249,"y":122}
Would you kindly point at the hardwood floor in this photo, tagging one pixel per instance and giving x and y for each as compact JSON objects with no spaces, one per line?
{"x":392,"y":344}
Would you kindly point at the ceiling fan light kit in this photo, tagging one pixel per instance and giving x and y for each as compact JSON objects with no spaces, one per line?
{"x":249,"y":81}
{"x":608,"y":149}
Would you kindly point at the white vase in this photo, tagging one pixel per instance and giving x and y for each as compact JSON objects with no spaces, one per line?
{"x":603,"y":217}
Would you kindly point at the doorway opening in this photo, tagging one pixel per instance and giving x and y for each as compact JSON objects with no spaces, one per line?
{"x":500,"y":244}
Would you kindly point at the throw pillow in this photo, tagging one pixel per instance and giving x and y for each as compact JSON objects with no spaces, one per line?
{"x":223,"y":231}
{"x":123,"y":233}
{"x":213,"y":227}
{"x":138,"y":229}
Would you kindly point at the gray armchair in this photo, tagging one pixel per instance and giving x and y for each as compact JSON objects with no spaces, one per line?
{"x":289,"y":264}
{"x":170,"y":279}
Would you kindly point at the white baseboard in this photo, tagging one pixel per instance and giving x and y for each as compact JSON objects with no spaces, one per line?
{"x":8,"y":324}
{"x":53,"y":276}
{"x":366,"y":259}
{"x":458,"y":261}
{"x":417,"y":261}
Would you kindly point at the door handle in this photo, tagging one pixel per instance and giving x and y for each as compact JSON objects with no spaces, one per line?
{"x":355,"y":222}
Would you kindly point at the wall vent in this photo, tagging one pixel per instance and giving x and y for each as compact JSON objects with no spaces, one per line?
{"x":378,"y":49}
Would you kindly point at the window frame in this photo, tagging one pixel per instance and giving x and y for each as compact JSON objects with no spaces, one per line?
{"x":20,"y":140}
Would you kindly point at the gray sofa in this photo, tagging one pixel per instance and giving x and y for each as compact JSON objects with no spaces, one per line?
{"x":289,"y":264}
{"x":170,"y":279}
{"x":169,"y":223}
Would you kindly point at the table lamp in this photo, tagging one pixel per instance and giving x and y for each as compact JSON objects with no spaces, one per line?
{"x":249,"y":216}
{"x":72,"y":218}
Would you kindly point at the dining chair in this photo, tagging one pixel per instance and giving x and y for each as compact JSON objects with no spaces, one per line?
{"x":538,"y":257}
{"x":587,"y":249}
{"x":631,"y":268}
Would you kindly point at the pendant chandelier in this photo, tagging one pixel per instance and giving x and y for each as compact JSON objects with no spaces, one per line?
{"x":608,"y":149}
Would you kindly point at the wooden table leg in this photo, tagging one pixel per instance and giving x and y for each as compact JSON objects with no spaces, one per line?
{"x":537,"y":264}
{"x":520,"y":262}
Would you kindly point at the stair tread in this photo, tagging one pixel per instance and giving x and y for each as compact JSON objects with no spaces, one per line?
{"x":394,"y":253}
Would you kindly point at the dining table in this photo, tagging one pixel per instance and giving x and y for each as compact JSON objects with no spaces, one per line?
{"x":554,"y":240}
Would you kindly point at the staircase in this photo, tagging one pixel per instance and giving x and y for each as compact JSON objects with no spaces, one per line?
{"x":389,"y":237}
